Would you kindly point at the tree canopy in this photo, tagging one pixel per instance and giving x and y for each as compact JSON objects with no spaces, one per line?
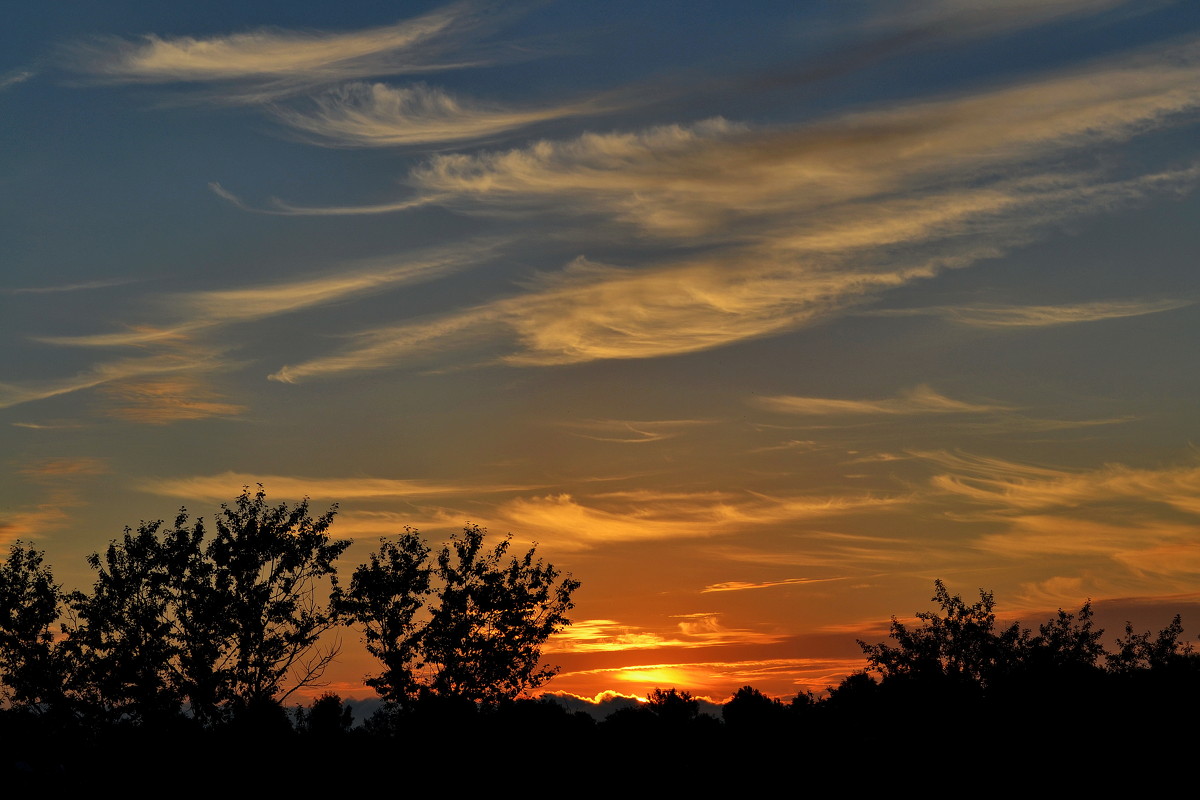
{"x":469,"y":625}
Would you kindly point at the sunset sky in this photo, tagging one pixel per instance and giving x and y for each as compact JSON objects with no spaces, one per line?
{"x":756,"y":316}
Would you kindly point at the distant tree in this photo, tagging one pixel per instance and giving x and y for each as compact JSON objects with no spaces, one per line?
{"x":749,"y":708}
{"x":470,"y":626}
{"x":31,"y":672}
{"x":327,"y":717}
{"x":672,"y":706}
{"x":228,"y":624}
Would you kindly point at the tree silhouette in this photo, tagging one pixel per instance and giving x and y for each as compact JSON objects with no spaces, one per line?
{"x":30,"y":668}
{"x":228,"y":624}
{"x":470,"y":626}
{"x":960,"y":646}
{"x":751,"y":709}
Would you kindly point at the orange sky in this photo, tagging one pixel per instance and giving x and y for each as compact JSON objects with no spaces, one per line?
{"x":757,"y":318}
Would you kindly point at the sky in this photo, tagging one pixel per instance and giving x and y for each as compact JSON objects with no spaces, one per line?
{"x":757,"y":317}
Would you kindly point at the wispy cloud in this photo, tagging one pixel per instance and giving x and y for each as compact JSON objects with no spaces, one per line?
{"x":30,"y":523}
{"x":963,"y":19}
{"x":741,"y":586}
{"x":699,"y":179}
{"x":1022,"y":488}
{"x":919,"y":400}
{"x":47,"y":426}
{"x":70,"y":287}
{"x":227,"y":485}
{"x":56,"y":467}
{"x":378,"y":115}
{"x":632,"y":431}
{"x":182,"y":359}
{"x":694,"y":630}
{"x":160,"y":401}
{"x":13,"y":77}
{"x":268,"y":63}
{"x":567,"y":522}
{"x":996,"y":316}
{"x":204,"y":309}
{"x":801,"y":222}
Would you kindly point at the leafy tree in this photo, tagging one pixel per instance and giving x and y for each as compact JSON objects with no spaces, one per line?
{"x":327,"y":717}
{"x":124,"y":645}
{"x":267,"y":563}
{"x":749,"y":709}
{"x":673,"y":706}
{"x":1068,"y":642}
{"x":962,"y":644}
{"x":386,"y":595}
{"x":228,"y":624}
{"x":1145,"y":651}
{"x":470,"y":626}
{"x":30,"y":665}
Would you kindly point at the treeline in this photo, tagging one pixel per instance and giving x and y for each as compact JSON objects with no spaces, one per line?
{"x":190,"y":643}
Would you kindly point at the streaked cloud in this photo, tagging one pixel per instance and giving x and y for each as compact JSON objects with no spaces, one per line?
{"x":228,"y":484}
{"x":688,"y":181}
{"x":996,"y":316}
{"x":1040,"y":535}
{"x":1022,"y":488}
{"x":632,"y":431}
{"x":918,"y":400}
{"x":13,"y":77}
{"x":566,"y":522}
{"x":161,"y":401}
{"x":268,"y":63}
{"x":178,"y":360}
{"x":70,"y":287}
{"x":204,"y":309}
{"x":694,"y":630}
{"x":54,"y":468}
{"x":963,"y":19}
{"x":31,"y":523}
{"x":801,"y":223}
{"x":47,"y":426}
{"x":741,"y":586}
{"x":378,"y":115}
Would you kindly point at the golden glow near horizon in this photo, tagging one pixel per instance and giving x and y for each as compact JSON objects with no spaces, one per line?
{"x":756,"y":318}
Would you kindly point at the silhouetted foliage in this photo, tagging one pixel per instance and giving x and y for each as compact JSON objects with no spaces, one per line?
{"x":327,"y":717}
{"x":673,"y":706}
{"x":470,"y":626}
{"x":960,"y":646}
{"x":30,"y":669}
{"x":1145,"y":651}
{"x":227,"y":624}
{"x":749,"y":708}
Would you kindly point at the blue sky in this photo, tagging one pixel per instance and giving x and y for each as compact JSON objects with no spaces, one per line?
{"x":757,"y":317}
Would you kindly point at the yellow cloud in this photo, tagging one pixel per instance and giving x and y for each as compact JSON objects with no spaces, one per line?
{"x":640,"y":516}
{"x":919,"y":400}
{"x":1022,"y":487}
{"x":270,"y":62}
{"x":164,"y":400}
{"x":1040,"y":316}
{"x":227,"y":485}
